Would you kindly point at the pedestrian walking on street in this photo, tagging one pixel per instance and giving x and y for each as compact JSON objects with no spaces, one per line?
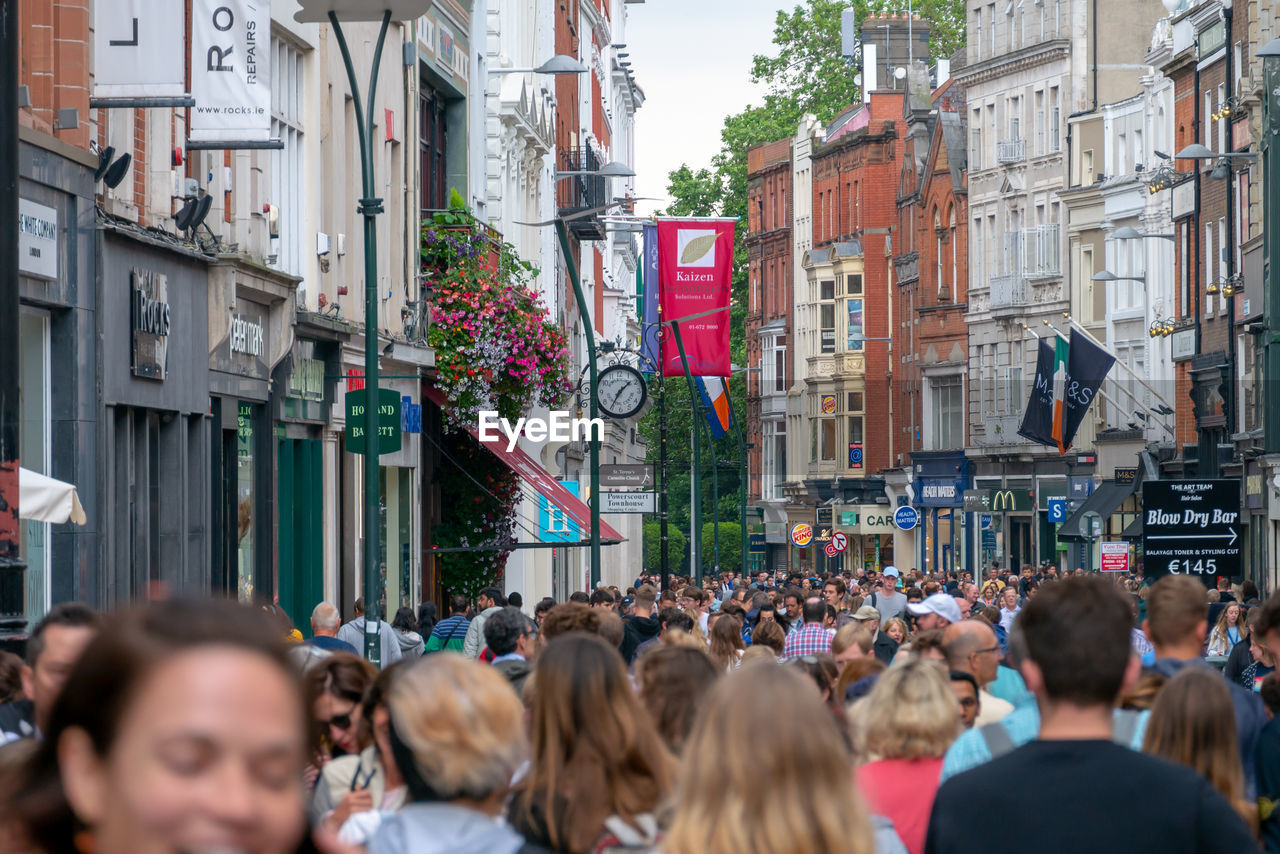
{"x":353,"y":633}
{"x":451,"y":632}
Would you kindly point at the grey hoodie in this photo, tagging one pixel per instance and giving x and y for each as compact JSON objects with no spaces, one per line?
{"x":438,"y":828}
{"x":410,"y":644}
{"x":353,"y":633}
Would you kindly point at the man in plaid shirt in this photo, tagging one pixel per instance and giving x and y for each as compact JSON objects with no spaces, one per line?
{"x":811,"y":638}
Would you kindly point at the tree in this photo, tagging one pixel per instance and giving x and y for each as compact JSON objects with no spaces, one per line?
{"x":730,"y":547}
{"x":677,"y":545}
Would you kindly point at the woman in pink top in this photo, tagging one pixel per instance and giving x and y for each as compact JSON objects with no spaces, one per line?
{"x":905,"y":725}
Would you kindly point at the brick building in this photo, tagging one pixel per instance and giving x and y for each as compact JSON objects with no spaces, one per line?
{"x":931,"y":277}
{"x":768,"y":330}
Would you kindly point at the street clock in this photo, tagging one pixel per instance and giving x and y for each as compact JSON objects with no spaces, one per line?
{"x":621,"y":391}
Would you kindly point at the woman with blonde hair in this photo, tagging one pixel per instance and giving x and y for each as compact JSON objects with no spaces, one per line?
{"x":896,"y":628}
{"x":905,"y":726}
{"x":456,"y":730}
{"x":726,"y":645}
{"x":1231,"y":628}
{"x":599,"y":768}
{"x":797,"y":797}
{"x":1193,"y":723}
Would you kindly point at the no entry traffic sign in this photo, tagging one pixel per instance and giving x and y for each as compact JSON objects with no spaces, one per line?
{"x":1191,"y":527}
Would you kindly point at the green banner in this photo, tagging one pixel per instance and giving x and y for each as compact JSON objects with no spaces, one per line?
{"x":388,"y":421}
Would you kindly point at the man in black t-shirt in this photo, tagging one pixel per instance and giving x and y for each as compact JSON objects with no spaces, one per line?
{"x":1106,"y":798}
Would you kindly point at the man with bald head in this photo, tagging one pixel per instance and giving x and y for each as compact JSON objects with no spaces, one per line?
{"x":325,"y":622}
{"x":971,"y":647}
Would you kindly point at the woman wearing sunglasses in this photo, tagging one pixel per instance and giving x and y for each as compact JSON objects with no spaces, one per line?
{"x":359,"y":783}
{"x":335,"y":688}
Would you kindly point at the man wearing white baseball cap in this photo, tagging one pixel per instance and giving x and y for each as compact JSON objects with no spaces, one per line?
{"x":935,"y":612}
{"x":887,"y":600}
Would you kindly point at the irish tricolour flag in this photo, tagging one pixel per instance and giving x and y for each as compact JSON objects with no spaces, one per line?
{"x":1059,"y":391}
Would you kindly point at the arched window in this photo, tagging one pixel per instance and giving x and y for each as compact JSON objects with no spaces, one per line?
{"x":937,"y":251}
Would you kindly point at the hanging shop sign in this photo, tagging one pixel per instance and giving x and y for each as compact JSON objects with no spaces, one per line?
{"x":134,"y":49}
{"x":625,"y":475}
{"x":695,"y":270}
{"x":37,"y":240}
{"x":389,"y":427}
{"x":151,"y":320}
{"x":306,"y":380}
{"x":628,"y":502}
{"x":231,"y":71}
{"x":1191,"y":527}
{"x":801,"y":534}
{"x":906,"y":518}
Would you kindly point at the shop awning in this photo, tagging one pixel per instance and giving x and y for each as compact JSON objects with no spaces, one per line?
{"x":1105,"y":499}
{"x":1133,"y":531}
{"x":539,"y":478}
{"x":43,"y":499}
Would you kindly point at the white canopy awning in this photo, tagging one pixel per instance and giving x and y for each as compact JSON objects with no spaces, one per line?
{"x":44,"y":499}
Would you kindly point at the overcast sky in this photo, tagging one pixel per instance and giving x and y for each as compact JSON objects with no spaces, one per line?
{"x":692,"y":58}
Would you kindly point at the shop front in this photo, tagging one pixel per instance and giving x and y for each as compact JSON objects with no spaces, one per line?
{"x":250,"y":330}
{"x":940,"y":480}
{"x":304,"y":385}
{"x":154,"y":436}
{"x":57,"y":372}
{"x":869,"y":531}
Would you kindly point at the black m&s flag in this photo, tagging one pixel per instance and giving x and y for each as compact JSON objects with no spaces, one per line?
{"x":1087,"y":366}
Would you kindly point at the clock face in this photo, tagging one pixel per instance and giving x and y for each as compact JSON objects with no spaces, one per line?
{"x":621,"y":391}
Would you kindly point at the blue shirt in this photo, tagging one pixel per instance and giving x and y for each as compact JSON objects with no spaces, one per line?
{"x":1023,"y":725}
{"x":1008,"y":686}
{"x":333,"y":644}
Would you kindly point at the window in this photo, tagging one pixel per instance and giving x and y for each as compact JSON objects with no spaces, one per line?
{"x":1012,"y":388}
{"x":856,"y":460}
{"x":813,"y":440}
{"x":977,"y":29}
{"x":287,"y":182}
{"x":828,"y":439}
{"x":1015,"y":119}
{"x":1055,"y":142}
{"x":948,"y":412}
{"x":856,"y":333}
{"x":1208,"y":267}
{"x":773,"y":458}
{"x":34,"y":414}
{"x":975,"y":141}
{"x":1040,"y":119}
{"x":1184,"y":269}
{"x":1222,"y":123}
{"x":432,"y":143}
{"x":854,"y":401}
{"x":1122,"y":147}
{"x":975,"y":240}
{"x":827,"y":314}
{"x":1206,"y":123}
{"x":1222,"y":260}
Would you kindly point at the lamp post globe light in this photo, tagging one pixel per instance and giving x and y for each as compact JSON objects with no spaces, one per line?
{"x":384,"y":11}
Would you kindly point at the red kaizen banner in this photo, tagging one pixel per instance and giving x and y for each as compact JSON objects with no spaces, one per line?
{"x":695,"y":271}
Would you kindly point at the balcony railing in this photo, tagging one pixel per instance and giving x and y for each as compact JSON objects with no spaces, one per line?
{"x":1010,"y":151}
{"x":1008,"y":291}
{"x":577,"y":193}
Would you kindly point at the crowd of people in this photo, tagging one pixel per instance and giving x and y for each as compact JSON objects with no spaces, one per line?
{"x":868,"y":714}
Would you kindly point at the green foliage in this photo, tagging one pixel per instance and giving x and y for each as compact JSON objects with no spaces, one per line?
{"x":480,"y":492}
{"x":677,"y":547}
{"x":808,"y":73}
{"x":730,"y":547}
{"x":456,"y":202}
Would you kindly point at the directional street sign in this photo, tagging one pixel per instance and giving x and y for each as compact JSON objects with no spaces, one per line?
{"x":1191,"y":527}
{"x":626,"y":476}
{"x":628,"y":502}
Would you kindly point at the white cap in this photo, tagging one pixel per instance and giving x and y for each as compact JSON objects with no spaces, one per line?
{"x":939,"y":603}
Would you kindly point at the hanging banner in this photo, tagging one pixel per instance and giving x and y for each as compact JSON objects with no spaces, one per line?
{"x":1037,"y":421}
{"x":649,"y":315}
{"x":695,"y":269}
{"x":714,"y":392}
{"x":231,"y":70}
{"x":135,"y":53}
{"x":1087,"y":366}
